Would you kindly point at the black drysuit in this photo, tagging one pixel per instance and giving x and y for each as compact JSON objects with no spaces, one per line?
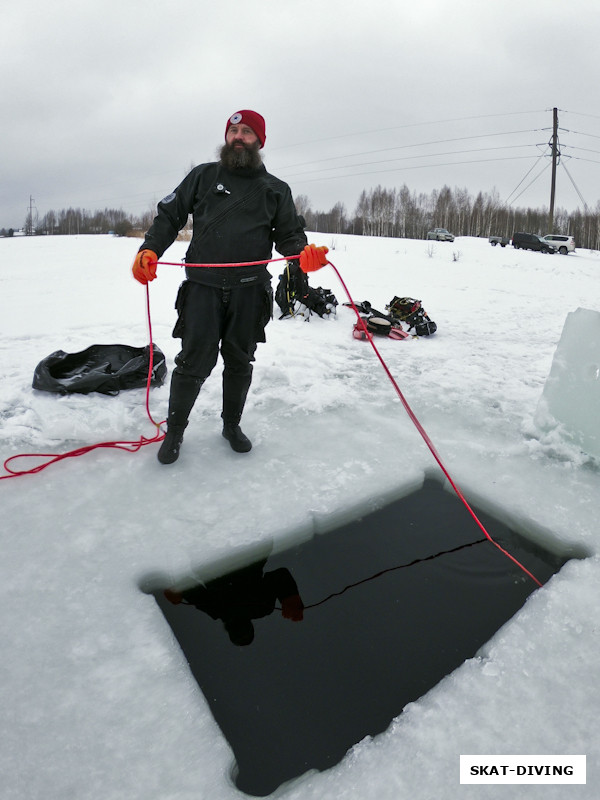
{"x":241,"y":596}
{"x":238,"y":216}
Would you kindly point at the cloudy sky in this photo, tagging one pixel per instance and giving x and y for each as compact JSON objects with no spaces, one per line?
{"x":107,"y":104}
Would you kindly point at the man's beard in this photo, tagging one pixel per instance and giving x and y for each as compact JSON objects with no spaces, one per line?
{"x":245,"y":157}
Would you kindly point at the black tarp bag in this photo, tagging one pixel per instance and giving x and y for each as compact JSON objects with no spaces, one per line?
{"x":103,"y":368}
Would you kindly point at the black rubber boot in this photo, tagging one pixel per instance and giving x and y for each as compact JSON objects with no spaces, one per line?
{"x":236,"y":438}
{"x":235,"y":391}
{"x":169,"y":449}
{"x":184,"y":391}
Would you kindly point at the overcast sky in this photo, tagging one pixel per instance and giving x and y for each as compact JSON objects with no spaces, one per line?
{"x":107,"y":104}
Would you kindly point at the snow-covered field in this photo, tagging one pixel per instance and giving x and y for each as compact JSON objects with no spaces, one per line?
{"x":97,"y":701}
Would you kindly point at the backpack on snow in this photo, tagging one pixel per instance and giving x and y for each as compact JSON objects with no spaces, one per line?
{"x":378,"y":326}
{"x":375,"y":322}
{"x":293,"y":294}
{"x":412,"y":313}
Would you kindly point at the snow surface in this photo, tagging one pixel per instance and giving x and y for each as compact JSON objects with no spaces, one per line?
{"x":97,"y":701}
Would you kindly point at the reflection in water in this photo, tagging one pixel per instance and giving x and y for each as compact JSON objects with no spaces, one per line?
{"x":241,"y":596}
{"x":392,"y":602}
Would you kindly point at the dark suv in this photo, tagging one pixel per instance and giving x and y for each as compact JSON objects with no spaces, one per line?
{"x":529,"y":241}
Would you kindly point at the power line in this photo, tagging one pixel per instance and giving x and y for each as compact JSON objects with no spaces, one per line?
{"x":580,"y":114}
{"x":416,"y":166}
{"x":580,"y":133}
{"x":587,"y":160}
{"x":585,"y":205}
{"x":319,"y":171}
{"x":575,"y":147}
{"x":406,"y":147}
{"x":546,"y":166}
{"x":408,"y":125}
{"x":322,"y":170}
{"x":506,"y":202}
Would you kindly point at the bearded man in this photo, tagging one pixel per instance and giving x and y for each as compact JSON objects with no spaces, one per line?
{"x":239,"y":212}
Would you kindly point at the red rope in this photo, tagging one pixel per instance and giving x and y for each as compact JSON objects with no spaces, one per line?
{"x":229,"y":264}
{"x":134,"y":446}
{"x":150,"y":367}
{"x":403,"y":400}
{"x":424,"y":434}
{"x":129,"y":446}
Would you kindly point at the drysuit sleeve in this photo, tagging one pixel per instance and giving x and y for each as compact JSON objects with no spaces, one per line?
{"x":172,"y":214}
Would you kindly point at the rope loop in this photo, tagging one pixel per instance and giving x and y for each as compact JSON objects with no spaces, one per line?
{"x":134,"y":446}
{"x":128,"y":446}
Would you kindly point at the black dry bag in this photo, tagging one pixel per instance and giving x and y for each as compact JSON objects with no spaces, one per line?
{"x":104,"y":368}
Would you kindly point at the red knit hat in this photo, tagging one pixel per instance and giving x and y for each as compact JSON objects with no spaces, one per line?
{"x":250,"y":118}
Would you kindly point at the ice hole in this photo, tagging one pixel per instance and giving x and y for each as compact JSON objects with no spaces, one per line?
{"x":393,"y":602}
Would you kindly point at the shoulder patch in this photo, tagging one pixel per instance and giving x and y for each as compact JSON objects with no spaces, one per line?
{"x":168,"y":198}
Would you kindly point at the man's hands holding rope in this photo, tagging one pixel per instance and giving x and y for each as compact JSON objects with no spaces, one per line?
{"x":144,"y":266}
{"x":313,"y":258}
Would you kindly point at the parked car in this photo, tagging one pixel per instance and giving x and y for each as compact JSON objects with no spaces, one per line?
{"x":501,"y":240}
{"x":530,"y":241}
{"x":564,"y":244}
{"x":440,"y":235}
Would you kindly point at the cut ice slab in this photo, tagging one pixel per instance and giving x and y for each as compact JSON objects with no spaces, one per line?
{"x":571,"y":395}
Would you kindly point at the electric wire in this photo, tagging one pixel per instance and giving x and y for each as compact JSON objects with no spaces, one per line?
{"x":529,"y":171}
{"x":321,"y":170}
{"x":406,"y":125}
{"x":129,"y":202}
{"x":416,"y":166}
{"x":585,"y":205}
{"x":406,"y":147}
{"x":537,"y":177}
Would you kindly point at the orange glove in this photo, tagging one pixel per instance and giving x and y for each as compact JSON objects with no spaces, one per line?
{"x":293,"y":608}
{"x":144,"y":266}
{"x":313,"y":258}
{"x":173,"y":596}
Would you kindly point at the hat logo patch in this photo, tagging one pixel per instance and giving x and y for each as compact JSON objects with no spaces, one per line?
{"x":235,"y":118}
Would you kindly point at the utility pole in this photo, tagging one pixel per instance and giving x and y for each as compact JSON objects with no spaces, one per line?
{"x":30,"y":223}
{"x":555,"y":158}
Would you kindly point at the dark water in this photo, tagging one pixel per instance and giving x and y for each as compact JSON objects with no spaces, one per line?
{"x":394,"y":601}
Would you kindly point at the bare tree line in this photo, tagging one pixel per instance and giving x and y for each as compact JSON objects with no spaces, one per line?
{"x":403,"y":214}
{"x":73,"y":221}
{"x":397,"y":213}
